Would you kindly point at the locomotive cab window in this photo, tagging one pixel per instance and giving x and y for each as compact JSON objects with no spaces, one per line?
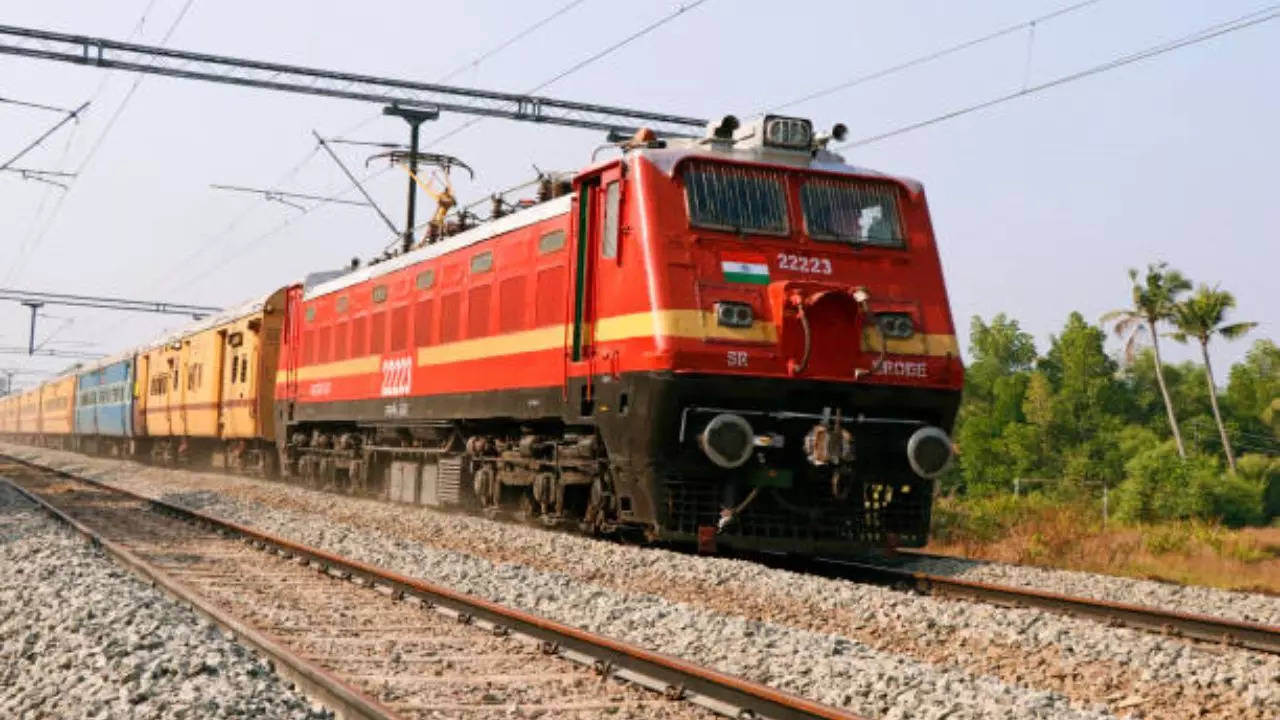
{"x":612,"y":209}
{"x":857,"y":213}
{"x":739,"y":199}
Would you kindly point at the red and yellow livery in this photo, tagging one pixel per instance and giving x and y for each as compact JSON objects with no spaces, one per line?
{"x":739,"y":339}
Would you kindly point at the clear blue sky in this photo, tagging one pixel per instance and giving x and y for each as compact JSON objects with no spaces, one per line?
{"x":1039,"y":204}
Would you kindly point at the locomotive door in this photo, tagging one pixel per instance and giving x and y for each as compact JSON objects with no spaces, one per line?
{"x":585,"y":234}
{"x":596,"y":254}
{"x":141,"y":397}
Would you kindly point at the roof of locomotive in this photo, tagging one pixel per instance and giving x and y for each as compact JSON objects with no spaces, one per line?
{"x":669,"y":158}
{"x":506,"y":223}
{"x":665,"y":159}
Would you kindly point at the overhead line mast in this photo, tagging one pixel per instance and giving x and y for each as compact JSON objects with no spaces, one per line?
{"x":112,"y":54}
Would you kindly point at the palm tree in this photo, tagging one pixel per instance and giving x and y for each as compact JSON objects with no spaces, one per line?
{"x":1154,"y":300}
{"x":1202,"y":316}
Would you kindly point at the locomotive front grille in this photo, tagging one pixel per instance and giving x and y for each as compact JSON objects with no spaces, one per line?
{"x":864,"y":519}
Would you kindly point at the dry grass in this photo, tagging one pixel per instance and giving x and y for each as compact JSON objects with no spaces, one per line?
{"x":1071,"y":536}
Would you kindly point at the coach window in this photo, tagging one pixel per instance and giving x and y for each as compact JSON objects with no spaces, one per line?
{"x":551,"y":242}
{"x":380,"y":293}
{"x":341,"y":304}
{"x":612,"y":208}
{"x":244,"y":369}
{"x":235,"y":365}
{"x":425,"y":279}
{"x":311,"y":314}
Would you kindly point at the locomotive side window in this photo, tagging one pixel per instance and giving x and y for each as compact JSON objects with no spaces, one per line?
{"x":740,"y":199}
{"x":852,"y":212}
{"x":612,"y":208}
{"x":551,"y":242}
{"x":482,"y":263}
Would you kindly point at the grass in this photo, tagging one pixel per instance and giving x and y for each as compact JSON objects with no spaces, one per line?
{"x":1035,"y":530}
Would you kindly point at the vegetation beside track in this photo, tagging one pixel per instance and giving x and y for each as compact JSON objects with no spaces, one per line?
{"x":1127,"y":465}
{"x":1049,"y":532}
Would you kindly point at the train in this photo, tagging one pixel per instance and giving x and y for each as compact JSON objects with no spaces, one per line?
{"x":737,"y":342}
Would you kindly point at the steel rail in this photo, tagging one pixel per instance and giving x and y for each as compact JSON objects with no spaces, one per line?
{"x":678,"y":679}
{"x":1205,"y":628}
{"x":312,"y":680}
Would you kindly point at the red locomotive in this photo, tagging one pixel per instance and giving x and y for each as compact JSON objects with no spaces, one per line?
{"x":737,"y":340}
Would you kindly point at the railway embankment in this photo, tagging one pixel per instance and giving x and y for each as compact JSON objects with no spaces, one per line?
{"x":81,"y":637}
{"x":869,"y":649}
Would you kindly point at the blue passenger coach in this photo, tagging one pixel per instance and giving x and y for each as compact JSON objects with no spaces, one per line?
{"x":104,"y":406}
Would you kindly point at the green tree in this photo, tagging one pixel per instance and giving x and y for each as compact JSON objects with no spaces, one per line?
{"x":1154,"y":300}
{"x":1254,"y":387}
{"x":1202,"y":316}
{"x":1087,"y":402}
{"x":995,"y":381}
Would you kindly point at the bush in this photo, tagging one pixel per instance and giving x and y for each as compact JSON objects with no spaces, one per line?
{"x":1236,"y":500}
{"x":1159,"y":485}
{"x":1264,"y":471}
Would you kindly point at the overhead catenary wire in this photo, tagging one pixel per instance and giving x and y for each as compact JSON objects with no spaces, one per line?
{"x":35,"y":106}
{"x":71,"y":115}
{"x":932,"y":56}
{"x":311,"y":154}
{"x":598,"y":55}
{"x":21,"y":261}
{"x":259,"y":239}
{"x":1242,"y":22}
{"x":522,"y":34}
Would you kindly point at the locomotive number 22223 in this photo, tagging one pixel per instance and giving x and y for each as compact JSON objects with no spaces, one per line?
{"x":804,"y":264}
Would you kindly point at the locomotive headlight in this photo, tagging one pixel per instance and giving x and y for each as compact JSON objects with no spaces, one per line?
{"x":929,"y":451}
{"x":788,"y":132}
{"x":734,"y":314}
{"x":896,"y":325}
{"x":727,"y":440}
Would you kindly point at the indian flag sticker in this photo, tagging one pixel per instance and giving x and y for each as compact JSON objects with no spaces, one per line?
{"x":741,"y":267}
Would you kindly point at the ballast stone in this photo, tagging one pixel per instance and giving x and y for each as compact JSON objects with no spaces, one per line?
{"x":79,"y":637}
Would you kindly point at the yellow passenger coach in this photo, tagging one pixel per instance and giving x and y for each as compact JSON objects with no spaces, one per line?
{"x":200,"y":394}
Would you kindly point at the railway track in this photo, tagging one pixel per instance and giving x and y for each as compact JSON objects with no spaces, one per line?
{"x":1203,"y":628}
{"x":369,"y":643}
